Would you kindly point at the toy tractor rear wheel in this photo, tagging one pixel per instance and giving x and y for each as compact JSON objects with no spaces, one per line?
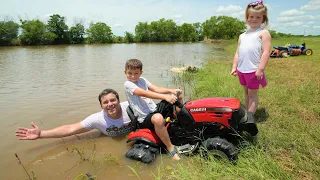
{"x":307,"y":52}
{"x":221,"y":148}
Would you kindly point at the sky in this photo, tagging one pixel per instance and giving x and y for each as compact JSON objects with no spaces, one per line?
{"x":286,"y":16}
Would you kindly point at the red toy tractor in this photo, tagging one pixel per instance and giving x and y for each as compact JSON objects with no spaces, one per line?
{"x":212,"y":124}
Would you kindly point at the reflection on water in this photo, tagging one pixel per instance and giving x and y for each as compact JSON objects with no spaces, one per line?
{"x":55,"y":85}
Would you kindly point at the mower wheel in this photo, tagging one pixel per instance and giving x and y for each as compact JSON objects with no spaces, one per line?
{"x":221,"y":148}
{"x":307,"y":52}
{"x":283,"y":53}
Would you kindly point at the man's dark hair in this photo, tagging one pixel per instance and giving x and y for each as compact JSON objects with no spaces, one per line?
{"x":106,"y":92}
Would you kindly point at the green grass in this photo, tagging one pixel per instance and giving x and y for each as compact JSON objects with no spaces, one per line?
{"x":288,"y":144}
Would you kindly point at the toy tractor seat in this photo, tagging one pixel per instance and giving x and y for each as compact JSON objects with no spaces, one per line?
{"x":146,"y":145}
{"x":138,"y":134}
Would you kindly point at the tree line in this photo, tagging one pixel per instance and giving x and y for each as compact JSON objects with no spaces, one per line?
{"x":56,"y":31}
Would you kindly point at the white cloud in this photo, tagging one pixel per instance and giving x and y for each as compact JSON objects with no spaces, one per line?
{"x":316,"y":27}
{"x":268,"y":7}
{"x":293,"y":18}
{"x":118,"y":25}
{"x":228,"y":9}
{"x":312,"y":5}
{"x":177,"y":16}
{"x":239,"y":15}
{"x":179,"y":22}
{"x":48,"y":15}
{"x":293,"y":24}
{"x":292,"y":12}
{"x":272,"y":26}
{"x":310,"y":22}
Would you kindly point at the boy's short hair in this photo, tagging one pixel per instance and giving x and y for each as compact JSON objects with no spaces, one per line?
{"x":133,"y":64}
{"x":106,"y":92}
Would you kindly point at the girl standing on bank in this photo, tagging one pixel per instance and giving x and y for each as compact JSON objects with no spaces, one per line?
{"x":252,"y":55}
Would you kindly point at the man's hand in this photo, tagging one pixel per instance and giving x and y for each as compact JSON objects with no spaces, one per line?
{"x":28,"y":134}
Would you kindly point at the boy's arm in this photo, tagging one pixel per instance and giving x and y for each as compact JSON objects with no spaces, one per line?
{"x":162,"y":90}
{"x":154,"y":95}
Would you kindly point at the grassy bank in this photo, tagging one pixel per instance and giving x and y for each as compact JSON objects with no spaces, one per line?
{"x":288,"y":144}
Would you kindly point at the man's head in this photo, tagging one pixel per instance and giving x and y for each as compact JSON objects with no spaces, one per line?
{"x":110,"y":103}
{"x":133,"y":70}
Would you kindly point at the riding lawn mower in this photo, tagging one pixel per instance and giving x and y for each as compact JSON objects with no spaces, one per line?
{"x":209,"y":124}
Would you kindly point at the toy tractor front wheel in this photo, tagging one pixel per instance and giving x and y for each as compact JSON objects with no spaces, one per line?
{"x":307,"y":52}
{"x":221,"y":148}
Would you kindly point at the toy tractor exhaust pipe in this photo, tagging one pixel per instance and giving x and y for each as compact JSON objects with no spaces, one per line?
{"x":249,"y":125}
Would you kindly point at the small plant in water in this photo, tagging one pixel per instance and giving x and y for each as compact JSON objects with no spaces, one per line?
{"x":109,"y":159}
{"x":64,"y":143}
{"x":93,"y":156}
{"x":134,"y":171}
{"x":86,"y":176}
{"x":32,"y":177}
{"x":80,"y":152}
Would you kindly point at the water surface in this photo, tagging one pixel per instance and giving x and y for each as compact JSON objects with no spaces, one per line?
{"x":56,"y":85}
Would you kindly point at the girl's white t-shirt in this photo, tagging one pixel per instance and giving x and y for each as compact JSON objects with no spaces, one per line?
{"x":249,"y":52}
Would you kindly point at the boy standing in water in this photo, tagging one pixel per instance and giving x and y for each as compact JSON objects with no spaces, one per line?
{"x":140,"y":92}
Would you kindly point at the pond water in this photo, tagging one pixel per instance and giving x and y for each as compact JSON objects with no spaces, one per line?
{"x":57,"y":85}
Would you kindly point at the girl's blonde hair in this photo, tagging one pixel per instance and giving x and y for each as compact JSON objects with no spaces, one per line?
{"x":260,"y":9}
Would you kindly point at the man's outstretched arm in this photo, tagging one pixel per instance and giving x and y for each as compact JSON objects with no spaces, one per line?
{"x":58,"y":132}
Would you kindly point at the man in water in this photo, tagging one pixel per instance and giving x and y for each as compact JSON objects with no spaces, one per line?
{"x":112,"y":120}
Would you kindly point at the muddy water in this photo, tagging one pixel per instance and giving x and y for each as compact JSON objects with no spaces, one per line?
{"x":56,"y":85}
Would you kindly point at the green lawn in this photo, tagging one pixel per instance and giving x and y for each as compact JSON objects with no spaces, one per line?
{"x":288,"y":144}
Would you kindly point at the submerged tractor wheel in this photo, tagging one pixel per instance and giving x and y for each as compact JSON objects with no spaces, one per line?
{"x":307,"y":52}
{"x":221,"y":148}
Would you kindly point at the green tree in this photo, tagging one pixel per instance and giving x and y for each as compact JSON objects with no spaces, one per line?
{"x":129,"y":37}
{"x":8,"y":32}
{"x":273,"y":33}
{"x":76,"y":34}
{"x":142,"y":31}
{"x":117,"y":39}
{"x":57,"y":25}
{"x":199,"y":30}
{"x":34,"y":32}
{"x":163,"y":31}
{"x":99,"y":33}
{"x":187,"y":33}
{"x":223,"y":27}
